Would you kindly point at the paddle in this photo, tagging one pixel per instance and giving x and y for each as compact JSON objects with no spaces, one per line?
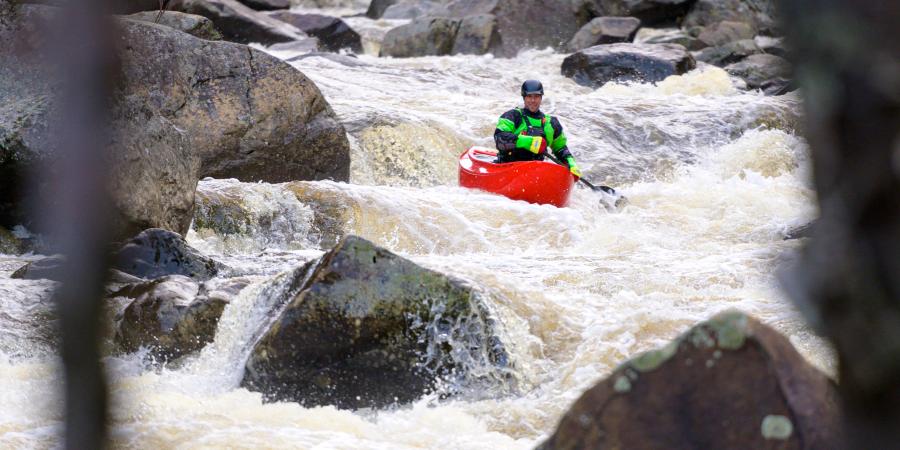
{"x":605,"y":189}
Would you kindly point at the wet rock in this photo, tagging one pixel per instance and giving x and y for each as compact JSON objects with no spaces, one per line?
{"x":192,"y":24}
{"x":725,"y":32}
{"x":803,"y":231}
{"x":600,"y":64}
{"x":333,"y":33}
{"x":173,"y":315}
{"x":9,"y":243}
{"x":185,"y":108}
{"x":522,"y":24}
{"x":239,"y":23}
{"x":650,"y":12}
{"x":772,"y":46}
{"x":729,"y":53}
{"x":604,"y":30}
{"x":760,"y":14}
{"x":49,"y":268}
{"x":668,"y":36}
{"x":267,"y":5}
{"x":730,"y":382}
{"x":413,"y":9}
{"x":377,"y":7}
{"x":246,"y":114}
{"x":756,"y":70}
{"x":421,"y":37}
{"x":363,"y":327}
{"x":477,"y":35}
{"x":156,"y":253}
{"x":347,"y":60}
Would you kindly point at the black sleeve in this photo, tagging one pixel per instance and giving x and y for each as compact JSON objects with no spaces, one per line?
{"x":506,"y":140}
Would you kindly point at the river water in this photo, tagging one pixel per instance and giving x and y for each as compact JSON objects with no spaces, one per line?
{"x":714,"y":177}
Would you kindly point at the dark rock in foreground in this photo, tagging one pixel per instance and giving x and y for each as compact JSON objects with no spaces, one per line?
{"x":595,"y":66}
{"x":367,"y":328}
{"x":729,"y":383}
{"x":174,"y":315}
{"x":192,"y":24}
{"x":333,"y":33}
{"x":156,"y":253}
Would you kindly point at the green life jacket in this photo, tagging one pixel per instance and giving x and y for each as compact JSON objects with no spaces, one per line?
{"x":530,"y":122}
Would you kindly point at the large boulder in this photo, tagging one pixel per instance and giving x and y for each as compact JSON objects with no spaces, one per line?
{"x":363,"y":327}
{"x":477,"y":35}
{"x":650,"y":12}
{"x":523,"y":24}
{"x":192,"y":24}
{"x":155,"y":253}
{"x":421,"y":37}
{"x":412,"y":9}
{"x":238,"y":22}
{"x":595,"y":66}
{"x":333,"y":33}
{"x":730,"y":382}
{"x":760,"y":14}
{"x":185,"y":108}
{"x":759,"y":69}
{"x":724,"y":32}
{"x":173,"y":315}
{"x":604,"y":30}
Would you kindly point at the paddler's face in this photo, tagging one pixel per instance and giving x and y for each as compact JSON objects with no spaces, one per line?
{"x":533,"y":102}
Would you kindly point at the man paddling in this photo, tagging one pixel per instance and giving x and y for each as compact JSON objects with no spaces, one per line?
{"x":524,"y":134}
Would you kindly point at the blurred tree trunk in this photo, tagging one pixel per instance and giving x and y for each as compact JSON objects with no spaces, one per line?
{"x":847,"y":56}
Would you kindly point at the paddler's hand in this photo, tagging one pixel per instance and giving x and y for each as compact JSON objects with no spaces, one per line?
{"x":573,"y":167}
{"x":534,"y":144}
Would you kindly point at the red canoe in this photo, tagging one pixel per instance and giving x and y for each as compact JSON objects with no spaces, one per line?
{"x":540,"y":182}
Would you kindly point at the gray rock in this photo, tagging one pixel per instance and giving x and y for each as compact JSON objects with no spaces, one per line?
{"x":725,"y":32}
{"x":239,"y":23}
{"x":333,"y":33}
{"x":366,"y":328}
{"x":729,"y":53}
{"x":604,"y":30}
{"x":760,"y":14}
{"x":757,"y":69}
{"x":185,"y":108}
{"x":650,"y":12}
{"x":173,"y":316}
{"x":192,"y":24}
{"x":267,"y":5}
{"x":414,"y":9}
{"x":772,"y":46}
{"x":156,"y":253}
{"x":477,"y":35}
{"x":668,"y":36}
{"x":600,"y":64}
{"x":523,"y":24}
{"x":377,"y":7}
{"x":49,"y":268}
{"x":421,"y":37}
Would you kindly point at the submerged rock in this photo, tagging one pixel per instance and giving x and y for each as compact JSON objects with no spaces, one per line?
{"x":595,"y":66}
{"x":731,"y":382}
{"x":367,"y":328}
{"x":156,"y":253}
{"x":49,"y":268}
{"x":174,"y":315}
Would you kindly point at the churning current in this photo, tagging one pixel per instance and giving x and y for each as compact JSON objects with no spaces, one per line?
{"x":715,"y":176}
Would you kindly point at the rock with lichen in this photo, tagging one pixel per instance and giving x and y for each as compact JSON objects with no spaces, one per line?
{"x":730,"y":382}
{"x":365,"y":328}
